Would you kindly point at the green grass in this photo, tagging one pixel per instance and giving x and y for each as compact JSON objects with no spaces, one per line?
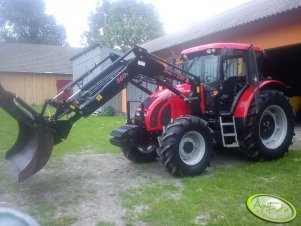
{"x":46,"y":212}
{"x":88,"y":135}
{"x":103,"y":223}
{"x":8,"y":132}
{"x":217,"y":197}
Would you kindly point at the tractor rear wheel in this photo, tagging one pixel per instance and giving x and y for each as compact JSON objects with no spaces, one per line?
{"x":140,"y":154}
{"x":269,"y":133}
{"x":186,"y":146}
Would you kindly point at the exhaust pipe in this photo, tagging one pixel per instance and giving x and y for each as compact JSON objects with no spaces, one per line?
{"x":35,"y":140}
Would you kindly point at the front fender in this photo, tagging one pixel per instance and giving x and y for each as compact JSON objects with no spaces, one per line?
{"x":244,"y":102}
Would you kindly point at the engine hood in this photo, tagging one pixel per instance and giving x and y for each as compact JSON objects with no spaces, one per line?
{"x":183,"y":88}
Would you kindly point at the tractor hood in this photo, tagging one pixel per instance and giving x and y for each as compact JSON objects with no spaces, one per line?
{"x":165,"y":93}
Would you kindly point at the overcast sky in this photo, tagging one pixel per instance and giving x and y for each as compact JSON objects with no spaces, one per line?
{"x":174,"y":14}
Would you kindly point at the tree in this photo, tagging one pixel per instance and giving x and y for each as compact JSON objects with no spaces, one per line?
{"x":123,"y":23}
{"x":26,"y":21}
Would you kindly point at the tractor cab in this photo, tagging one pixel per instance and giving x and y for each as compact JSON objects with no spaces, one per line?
{"x":225,"y":69}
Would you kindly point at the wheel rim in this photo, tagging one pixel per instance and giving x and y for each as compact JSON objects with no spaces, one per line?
{"x":192,"y":148}
{"x":273,"y":127}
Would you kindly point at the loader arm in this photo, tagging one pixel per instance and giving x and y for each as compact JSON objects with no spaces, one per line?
{"x":38,"y":133}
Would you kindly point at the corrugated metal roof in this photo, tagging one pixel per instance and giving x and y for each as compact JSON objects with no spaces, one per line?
{"x":88,"y":49}
{"x":249,"y":12}
{"x":36,"y":58}
{"x":85,"y":50}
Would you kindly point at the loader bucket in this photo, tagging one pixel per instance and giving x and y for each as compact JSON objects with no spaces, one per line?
{"x":34,"y":144}
{"x":31,"y":151}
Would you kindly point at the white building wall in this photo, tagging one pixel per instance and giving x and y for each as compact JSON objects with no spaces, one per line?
{"x":86,"y":61}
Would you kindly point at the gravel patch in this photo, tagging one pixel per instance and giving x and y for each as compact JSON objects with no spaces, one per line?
{"x":86,"y":187}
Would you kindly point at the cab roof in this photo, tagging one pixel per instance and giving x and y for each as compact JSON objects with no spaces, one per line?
{"x":238,"y":46}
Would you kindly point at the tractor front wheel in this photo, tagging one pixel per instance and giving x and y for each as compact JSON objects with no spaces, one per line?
{"x":140,"y":154}
{"x":269,"y":133}
{"x":186,"y":146}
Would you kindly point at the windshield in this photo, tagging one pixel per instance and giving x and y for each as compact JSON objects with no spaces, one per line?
{"x":205,"y":67}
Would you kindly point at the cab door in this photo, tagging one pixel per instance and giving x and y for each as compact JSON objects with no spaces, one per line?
{"x":253,"y":77}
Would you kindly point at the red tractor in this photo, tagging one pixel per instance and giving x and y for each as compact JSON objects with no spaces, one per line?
{"x":234,"y":106}
{"x":218,"y":98}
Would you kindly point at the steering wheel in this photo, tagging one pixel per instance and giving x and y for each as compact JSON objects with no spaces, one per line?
{"x":209,"y":78}
{"x":240,"y":83}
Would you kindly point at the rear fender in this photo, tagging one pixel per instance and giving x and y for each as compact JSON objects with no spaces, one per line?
{"x":244,"y":102}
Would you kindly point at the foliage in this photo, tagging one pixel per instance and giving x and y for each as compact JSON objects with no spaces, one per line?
{"x":109,"y":111}
{"x":123,"y":23}
{"x":26,"y":21}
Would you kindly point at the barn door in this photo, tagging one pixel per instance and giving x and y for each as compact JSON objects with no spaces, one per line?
{"x":60,"y":84}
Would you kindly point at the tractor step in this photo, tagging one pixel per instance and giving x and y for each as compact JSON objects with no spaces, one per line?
{"x":228,"y":131}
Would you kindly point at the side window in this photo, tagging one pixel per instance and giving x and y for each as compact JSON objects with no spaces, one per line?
{"x":195,"y":66}
{"x":211,"y":71}
{"x":234,"y":67}
{"x":234,"y":72}
{"x":205,"y":67}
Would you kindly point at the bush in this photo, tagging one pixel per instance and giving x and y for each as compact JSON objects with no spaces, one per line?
{"x":109,"y":111}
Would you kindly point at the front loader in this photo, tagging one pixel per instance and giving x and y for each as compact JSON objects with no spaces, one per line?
{"x":38,"y":132}
{"x":218,"y":98}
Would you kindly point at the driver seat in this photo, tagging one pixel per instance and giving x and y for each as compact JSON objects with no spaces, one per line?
{"x":229,"y":86}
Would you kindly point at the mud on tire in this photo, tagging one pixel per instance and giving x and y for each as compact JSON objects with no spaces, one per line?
{"x":186,"y":146}
{"x":269,"y":133}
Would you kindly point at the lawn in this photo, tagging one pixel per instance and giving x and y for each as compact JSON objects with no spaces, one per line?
{"x":218,"y":197}
{"x":87,"y":135}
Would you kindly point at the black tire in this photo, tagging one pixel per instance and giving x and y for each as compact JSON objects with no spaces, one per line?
{"x":172,"y":146}
{"x":135,"y":155}
{"x":256,"y":142}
